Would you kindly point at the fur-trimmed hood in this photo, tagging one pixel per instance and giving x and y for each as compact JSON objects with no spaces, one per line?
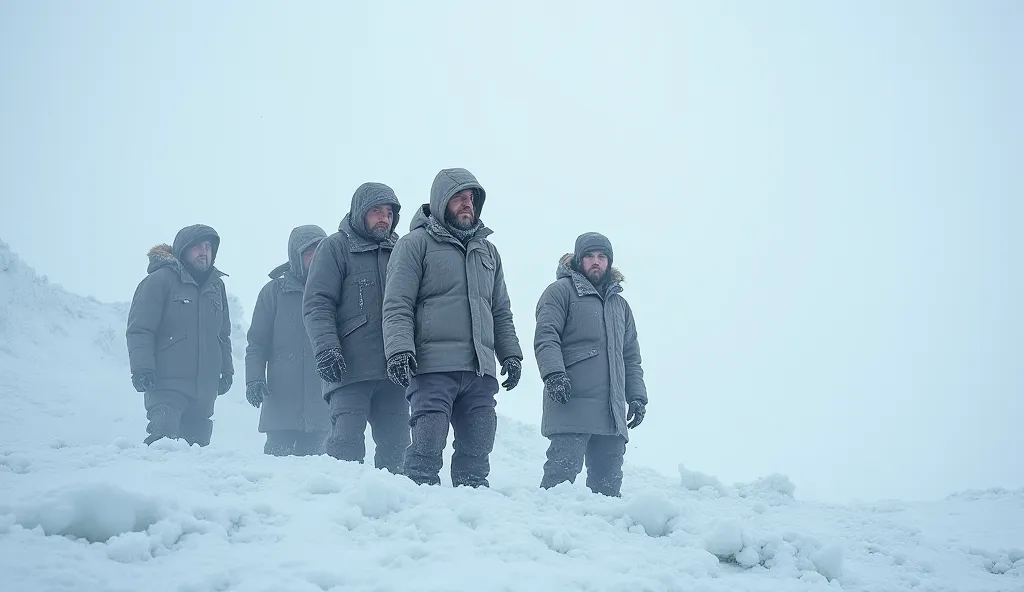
{"x":580,"y":281}
{"x":164,"y":255}
{"x":160,"y":256}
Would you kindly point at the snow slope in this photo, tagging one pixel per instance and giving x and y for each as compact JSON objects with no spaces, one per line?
{"x":85,"y":506}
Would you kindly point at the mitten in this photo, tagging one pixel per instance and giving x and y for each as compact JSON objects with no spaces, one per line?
{"x":635,"y":413}
{"x":330,"y":364}
{"x":144,"y":381}
{"x":514,"y":367}
{"x":558,"y":386}
{"x":255,"y":392}
{"x":401,"y":368}
{"x":225,"y":384}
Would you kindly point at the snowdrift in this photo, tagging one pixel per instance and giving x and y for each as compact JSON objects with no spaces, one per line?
{"x":84,"y":505}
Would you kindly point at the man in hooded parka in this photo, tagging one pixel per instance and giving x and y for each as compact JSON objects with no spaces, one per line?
{"x":447,"y":315}
{"x":179,"y":337}
{"x":342,"y":313}
{"x":587,"y":352}
{"x":280,"y":371}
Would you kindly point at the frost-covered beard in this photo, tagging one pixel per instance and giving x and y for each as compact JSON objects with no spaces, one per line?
{"x":461,"y":230}
{"x":201,"y":265}
{"x":200,"y":273}
{"x":378,"y":234}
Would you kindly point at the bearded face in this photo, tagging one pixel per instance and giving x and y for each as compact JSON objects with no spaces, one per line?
{"x":379,"y":221}
{"x":594,"y":265}
{"x":461,"y":211}
{"x":200,"y":256}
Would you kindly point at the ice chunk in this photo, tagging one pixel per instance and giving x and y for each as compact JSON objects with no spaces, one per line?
{"x":652,"y":510}
{"x":725,"y":540}
{"x":829,"y":561}
{"x":94,"y":512}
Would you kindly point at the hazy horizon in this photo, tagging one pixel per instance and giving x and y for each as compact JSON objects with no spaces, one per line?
{"x":817,"y":207}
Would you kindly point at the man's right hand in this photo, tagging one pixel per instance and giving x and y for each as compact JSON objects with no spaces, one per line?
{"x":255,"y":392}
{"x":330,"y":364}
{"x":558,"y":387}
{"x":144,"y":381}
{"x":401,"y":369}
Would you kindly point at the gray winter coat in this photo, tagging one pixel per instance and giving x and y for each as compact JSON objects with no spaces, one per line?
{"x":178,"y":329}
{"x":446,"y":302}
{"x":592,"y":338}
{"x":345,"y":288}
{"x":279,"y":351}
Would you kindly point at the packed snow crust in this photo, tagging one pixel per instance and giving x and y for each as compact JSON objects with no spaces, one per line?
{"x":84,"y":505}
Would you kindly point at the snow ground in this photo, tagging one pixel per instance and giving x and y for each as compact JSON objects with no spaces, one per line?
{"x":85,"y":506}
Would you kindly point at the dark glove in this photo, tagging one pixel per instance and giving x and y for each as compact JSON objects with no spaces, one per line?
{"x":330,"y":364}
{"x":225,"y":384}
{"x":255,"y":392}
{"x":635,"y":414}
{"x":144,"y":381}
{"x":514,"y":368}
{"x":558,"y":386}
{"x":401,"y":368}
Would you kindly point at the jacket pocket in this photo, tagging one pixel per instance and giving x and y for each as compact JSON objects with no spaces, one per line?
{"x":350,"y":325}
{"x":167,"y":341}
{"x":486,"y":275}
{"x":575,"y":357}
{"x":584,"y":321}
{"x":181,"y":315}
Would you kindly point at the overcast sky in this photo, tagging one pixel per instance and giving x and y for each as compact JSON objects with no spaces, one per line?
{"x":817,"y":205}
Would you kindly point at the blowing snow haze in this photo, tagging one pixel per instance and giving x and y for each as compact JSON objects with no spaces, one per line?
{"x":816,"y":207}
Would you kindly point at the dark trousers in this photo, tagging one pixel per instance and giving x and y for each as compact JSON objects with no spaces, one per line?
{"x":173,"y":415}
{"x":603,"y":455}
{"x":296,"y":442}
{"x":383,"y":405}
{"x":466,"y":402}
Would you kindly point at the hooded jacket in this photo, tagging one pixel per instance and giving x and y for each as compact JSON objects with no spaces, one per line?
{"x":591,"y":336}
{"x":178,"y":329}
{"x":446,"y":301}
{"x":278,"y":350}
{"x":341,"y":307}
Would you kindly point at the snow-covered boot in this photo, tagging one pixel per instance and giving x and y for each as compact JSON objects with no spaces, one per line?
{"x":197,"y":430}
{"x":423,"y":457}
{"x":474,"y":441}
{"x":604,"y":464}
{"x":564,"y":459}
{"x":310,"y":443}
{"x":164,"y":422}
{"x":279,"y":442}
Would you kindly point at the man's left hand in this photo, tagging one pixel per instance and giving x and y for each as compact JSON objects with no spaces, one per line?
{"x":514,"y":368}
{"x":635,"y":414}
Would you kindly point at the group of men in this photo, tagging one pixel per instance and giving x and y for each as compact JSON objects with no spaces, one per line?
{"x":404,"y":333}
